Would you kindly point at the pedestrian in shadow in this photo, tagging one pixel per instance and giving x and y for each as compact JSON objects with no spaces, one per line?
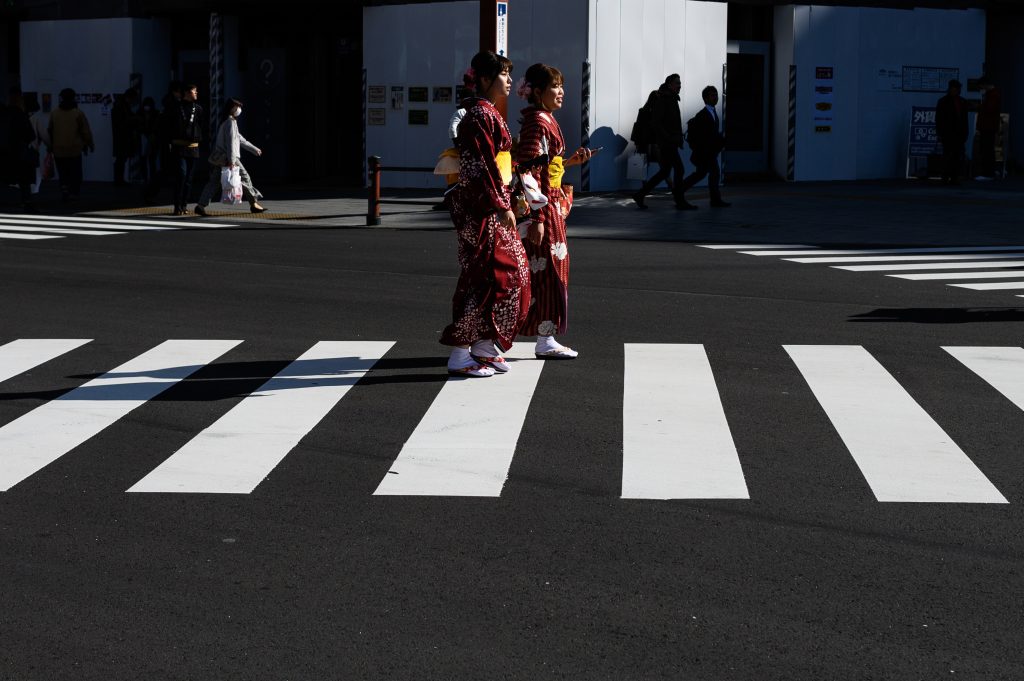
{"x":166,"y":125}
{"x":72,"y":138}
{"x":668,"y":139}
{"x":188,"y":133}
{"x":16,"y":160}
{"x":124,"y":130}
{"x":704,"y":135}
{"x":951,"y":127}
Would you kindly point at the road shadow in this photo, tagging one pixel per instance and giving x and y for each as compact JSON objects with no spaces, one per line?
{"x":941,"y":315}
{"x":231,"y":380}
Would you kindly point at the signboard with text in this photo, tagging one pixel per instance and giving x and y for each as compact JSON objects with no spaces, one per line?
{"x":923,"y":142}
{"x":502,"y":29}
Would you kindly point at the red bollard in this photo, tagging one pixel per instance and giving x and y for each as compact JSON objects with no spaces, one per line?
{"x":373,"y":204}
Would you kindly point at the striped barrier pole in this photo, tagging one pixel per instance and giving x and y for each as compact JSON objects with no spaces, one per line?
{"x":585,"y":124}
{"x":791,"y":157}
{"x":216,"y":71}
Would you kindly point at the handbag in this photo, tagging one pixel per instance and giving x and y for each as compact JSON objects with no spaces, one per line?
{"x":47,"y":166}
{"x":636,"y":167}
{"x":231,"y":185}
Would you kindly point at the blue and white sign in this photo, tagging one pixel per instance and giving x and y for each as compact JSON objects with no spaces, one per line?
{"x":924,"y":139}
{"x":502,"y":32}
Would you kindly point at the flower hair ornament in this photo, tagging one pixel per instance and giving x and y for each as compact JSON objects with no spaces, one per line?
{"x":523,"y":88}
{"x":469,"y":77}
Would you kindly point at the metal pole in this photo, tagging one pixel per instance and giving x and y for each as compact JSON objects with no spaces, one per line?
{"x":373,"y":200}
{"x":585,"y":125}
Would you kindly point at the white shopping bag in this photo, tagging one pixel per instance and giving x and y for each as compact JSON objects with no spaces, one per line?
{"x":231,"y":185}
{"x":636,"y":167}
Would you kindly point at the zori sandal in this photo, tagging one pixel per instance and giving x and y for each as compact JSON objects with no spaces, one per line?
{"x":497,"y":363}
{"x":561,"y":352}
{"x":472,"y":371}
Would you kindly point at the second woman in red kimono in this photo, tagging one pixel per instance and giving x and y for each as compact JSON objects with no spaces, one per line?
{"x":493,"y":292}
{"x":541,"y":147}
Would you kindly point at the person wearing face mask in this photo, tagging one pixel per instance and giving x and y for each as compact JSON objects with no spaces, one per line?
{"x":492,"y":295}
{"x":541,"y":146}
{"x":227,"y":149}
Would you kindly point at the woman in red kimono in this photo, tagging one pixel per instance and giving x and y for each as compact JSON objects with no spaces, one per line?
{"x":546,"y":246}
{"x":493,"y":292}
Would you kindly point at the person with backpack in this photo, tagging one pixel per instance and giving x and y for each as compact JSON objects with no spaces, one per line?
{"x":643,"y":130}
{"x":72,"y":138}
{"x":667,"y":135}
{"x":704,"y":135}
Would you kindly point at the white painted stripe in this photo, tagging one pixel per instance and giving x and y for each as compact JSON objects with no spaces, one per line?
{"x":728,"y":247}
{"x":881,"y":251}
{"x":1002,"y":368}
{"x":47,"y":229}
{"x":903,"y":454}
{"x":32,"y":237}
{"x":23,"y":354}
{"x":237,"y":452}
{"x":931,"y":266}
{"x":676,"y":440}
{"x":120,"y":223}
{"x":998,"y":286}
{"x":957,"y":276}
{"x":909,"y":258}
{"x":465,"y":443}
{"x":46,"y":433}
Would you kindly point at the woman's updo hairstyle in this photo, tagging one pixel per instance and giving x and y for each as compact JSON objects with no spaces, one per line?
{"x":487,"y":65}
{"x":541,"y":77}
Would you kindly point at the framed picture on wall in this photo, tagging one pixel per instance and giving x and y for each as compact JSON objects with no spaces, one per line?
{"x":376,"y":94}
{"x":419,"y":117}
{"x":418,"y":94}
{"x":442,"y":95}
{"x":376,"y":116}
{"x":398,"y":97}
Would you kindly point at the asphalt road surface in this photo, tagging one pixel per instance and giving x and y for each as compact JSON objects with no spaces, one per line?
{"x":238,"y":456}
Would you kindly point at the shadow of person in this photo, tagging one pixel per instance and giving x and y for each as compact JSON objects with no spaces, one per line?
{"x":941,"y":315}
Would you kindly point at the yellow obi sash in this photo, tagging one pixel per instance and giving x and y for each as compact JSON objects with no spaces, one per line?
{"x":504,"y":161}
{"x":555,"y":172}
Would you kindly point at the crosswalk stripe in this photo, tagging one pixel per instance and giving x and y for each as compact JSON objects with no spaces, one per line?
{"x":891,"y":251}
{"x":724,"y":247}
{"x":903,"y":454}
{"x":23,"y":354}
{"x":1002,"y":368}
{"x":676,"y":440}
{"x":121,"y":223}
{"x":48,"y":229}
{"x":237,"y":452}
{"x":909,"y":258}
{"x":931,"y":266}
{"x":995,"y":286}
{"x":465,"y":442}
{"x":956,"y":276}
{"x":46,"y":433}
{"x":30,"y":237}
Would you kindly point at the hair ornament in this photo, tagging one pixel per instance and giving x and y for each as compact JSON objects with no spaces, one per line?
{"x":523,"y":88}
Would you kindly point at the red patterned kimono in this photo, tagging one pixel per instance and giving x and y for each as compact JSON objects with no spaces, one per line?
{"x":549,"y":262}
{"x":493,"y":293}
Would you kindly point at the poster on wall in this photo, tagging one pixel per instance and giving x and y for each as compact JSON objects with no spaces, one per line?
{"x":398,"y":97}
{"x":376,"y":94}
{"x":419,"y":117}
{"x":442,"y":95}
{"x":824,"y":80}
{"x":376,"y":116}
{"x":418,"y":94}
{"x":889,"y":79}
{"x":928,"y":78}
{"x":501,"y":29}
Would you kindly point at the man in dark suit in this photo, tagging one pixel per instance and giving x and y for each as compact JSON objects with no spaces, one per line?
{"x":951,"y":127}
{"x":704,"y":134}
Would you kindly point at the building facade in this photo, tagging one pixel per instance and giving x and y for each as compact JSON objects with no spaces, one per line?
{"x":820,"y":91}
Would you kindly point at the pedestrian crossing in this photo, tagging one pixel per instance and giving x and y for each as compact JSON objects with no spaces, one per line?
{"x":953,"y":265}
{"x":40,"y":227}
{"x":677,"y":437}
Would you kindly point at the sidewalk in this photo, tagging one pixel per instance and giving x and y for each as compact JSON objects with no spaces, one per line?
{"x":837,"y":213}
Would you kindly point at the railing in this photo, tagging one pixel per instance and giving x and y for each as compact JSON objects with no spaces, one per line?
{"x":374,"y":168}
